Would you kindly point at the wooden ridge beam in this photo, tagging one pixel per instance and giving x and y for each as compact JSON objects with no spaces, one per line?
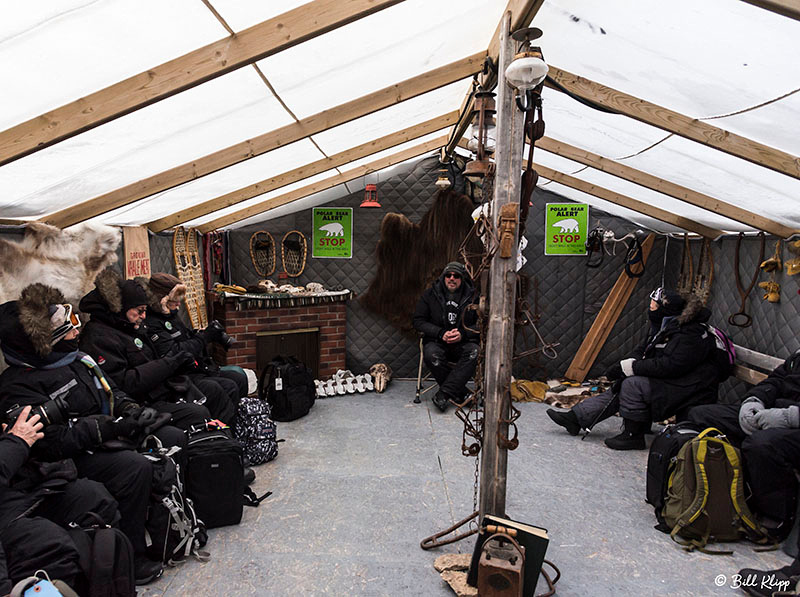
{"x":367,"y":104}
{"x":254,"y":210}
{"x":655,"y":183}
{"x":305,"y":171}
{"x":674,"y":122}
{"x":605,"y":320}
{"x":786,"y":8}
{"x":522,"y":13}
{"x":204,"y":64}
{"x":628,"y":202}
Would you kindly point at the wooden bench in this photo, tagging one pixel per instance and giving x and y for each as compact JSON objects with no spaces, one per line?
{"x":753,"y":367}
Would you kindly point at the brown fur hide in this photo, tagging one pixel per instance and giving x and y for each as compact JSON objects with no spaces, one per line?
{"x":67,"y":260}
{"x":411,"y":256}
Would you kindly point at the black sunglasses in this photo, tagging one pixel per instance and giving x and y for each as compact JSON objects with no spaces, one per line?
{"x":452,"y":275}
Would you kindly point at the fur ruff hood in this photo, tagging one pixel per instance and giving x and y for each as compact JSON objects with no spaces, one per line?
{"x":694,"y":310}
{"x":25,"y":323}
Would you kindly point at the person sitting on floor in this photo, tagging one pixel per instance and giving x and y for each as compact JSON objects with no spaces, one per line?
{"x":444,"y":320}
{"x":170,"y":335}
{"x":116,"y":337}
{"x":674,"y":369}
{"x":766,"y":425}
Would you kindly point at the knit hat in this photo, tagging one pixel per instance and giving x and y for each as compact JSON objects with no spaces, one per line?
{"x":132,"y":294}
{"x":455,"y":267}
{"x":162,"y":284}
{"x":670,"y":300}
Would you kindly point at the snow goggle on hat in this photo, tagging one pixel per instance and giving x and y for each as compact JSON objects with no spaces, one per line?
{"x":64,"y":320}
{"x":657,"y":295}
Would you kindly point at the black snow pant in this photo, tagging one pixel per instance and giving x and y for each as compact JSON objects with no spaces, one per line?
{"x":452,"y":380}
{"x":770,"y":457}
{"x":40,"y":542}
{"x":236,"y":375}
{"x":632,"y":400}
{"x":222,"y":396}
{"x":184,"y":414}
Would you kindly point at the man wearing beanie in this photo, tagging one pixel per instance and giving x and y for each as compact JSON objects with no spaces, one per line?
{"x":170,"y":336}
{"x":674,"y":369}
{"x":446,"y":326}
{"x":81,"y":408}
{"x":116,"y":337}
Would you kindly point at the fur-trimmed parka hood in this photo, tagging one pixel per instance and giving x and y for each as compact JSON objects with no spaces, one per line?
{"x":106,"y":298}
{"x":694,"y":311}
{"x":25,"y":325}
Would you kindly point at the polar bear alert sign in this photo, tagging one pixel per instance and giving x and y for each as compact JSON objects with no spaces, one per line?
{"x":333,"y":232}
{"x":566,"y":227}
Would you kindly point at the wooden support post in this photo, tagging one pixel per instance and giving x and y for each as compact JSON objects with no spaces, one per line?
{"x":502,"y":288}
{"x":605,"y":320}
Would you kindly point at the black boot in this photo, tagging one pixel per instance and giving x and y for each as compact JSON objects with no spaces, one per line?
{"x":146,"y":571}
{"x":441,"y":401}
{"x":631,"y":438}
{"x":763,"y":583}
{"x":567,"y":419}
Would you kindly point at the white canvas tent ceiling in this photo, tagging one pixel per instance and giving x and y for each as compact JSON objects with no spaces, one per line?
{"x":701,"y":59}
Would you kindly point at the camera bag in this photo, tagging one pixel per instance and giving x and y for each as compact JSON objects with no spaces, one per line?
{"x":105,"y":558}
{"x":215,"y":476}
{"x":288,"y":386}
{"x":172,"y":529}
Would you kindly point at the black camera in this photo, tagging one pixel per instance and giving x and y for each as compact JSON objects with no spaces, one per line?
{"x":219,"y":334}
{"x":52,"y":411}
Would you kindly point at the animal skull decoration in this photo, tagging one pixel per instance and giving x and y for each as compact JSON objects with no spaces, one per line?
{"x":381,"y":374}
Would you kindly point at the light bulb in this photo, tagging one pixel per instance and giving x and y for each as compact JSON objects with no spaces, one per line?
{"x":526,"y":71}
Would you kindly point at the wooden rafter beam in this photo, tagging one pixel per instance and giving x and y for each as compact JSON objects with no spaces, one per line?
{"x":674,"y":122}
{"x":367,"y":104}
{"x":627,"y":202}
{"x":655,"y":183}
{"x":786,"y":8}
{"x":522,"y":13}
{"x":306,"y":171}
{"x":187,"y":71}
{"x":259,"y":208}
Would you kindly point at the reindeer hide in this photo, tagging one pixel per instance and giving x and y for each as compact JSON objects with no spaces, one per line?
{"x":67,"y":259}
{"x":411,"y":256}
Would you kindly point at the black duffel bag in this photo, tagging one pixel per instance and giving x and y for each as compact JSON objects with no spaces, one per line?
{"x":288,"y":386}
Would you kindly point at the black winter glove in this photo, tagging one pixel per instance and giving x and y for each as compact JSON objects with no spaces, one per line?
{"x":615,"y":372}
{"x":111,"y":429}
{"x":181,"y":360}
{"x":146,"y":417}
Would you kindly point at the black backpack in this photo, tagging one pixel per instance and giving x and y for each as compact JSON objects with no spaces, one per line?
{"x":288,"y":386}
{"x":173,"y":531}
{"x":661,"y":462}
{"x":106,"y":558}
{"x":215,"y":476}
{"x":256,"y":431}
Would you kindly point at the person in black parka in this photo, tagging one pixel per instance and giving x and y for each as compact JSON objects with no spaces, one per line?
{"x":170,"y":336}
{"x":447,"y":325}
{"x":117,"y":338}
{"x":674,"y":369}
{"x":37,"y":503}
{"x":86,"y":412}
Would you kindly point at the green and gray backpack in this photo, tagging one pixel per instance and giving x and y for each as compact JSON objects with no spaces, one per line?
{"x":705,"y":495}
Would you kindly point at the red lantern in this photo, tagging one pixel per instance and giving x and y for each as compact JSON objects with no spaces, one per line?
{"x":370,"y":196}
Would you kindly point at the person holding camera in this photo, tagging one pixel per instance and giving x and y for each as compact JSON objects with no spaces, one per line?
{"x":118,"y":339}
{"x":37,"y":503}
{"x":84,"y":417}
{"x":443,"y":319}
{"x":672,"y":370}
{"x":170,"y":336}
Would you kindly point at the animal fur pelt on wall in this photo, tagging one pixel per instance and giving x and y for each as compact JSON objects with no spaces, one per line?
{"x":67,"y":259}
{"x":411,"y":256}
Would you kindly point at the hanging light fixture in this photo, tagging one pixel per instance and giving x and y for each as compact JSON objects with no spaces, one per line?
{"x":370,"y":196}
{"x":483,"y":137}
{"x":443,"y":182}
{"x":528,"y":70}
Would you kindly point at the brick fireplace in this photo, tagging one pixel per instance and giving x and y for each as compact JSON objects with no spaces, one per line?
{"x":262,"y":327}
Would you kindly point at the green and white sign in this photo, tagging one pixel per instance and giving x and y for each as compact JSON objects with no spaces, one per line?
{"x":333,"y":232}
{"x":566,"y":228}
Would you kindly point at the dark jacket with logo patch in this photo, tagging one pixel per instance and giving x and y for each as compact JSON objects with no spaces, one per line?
{"x":782,"y":387}
{"x":430,"y":316}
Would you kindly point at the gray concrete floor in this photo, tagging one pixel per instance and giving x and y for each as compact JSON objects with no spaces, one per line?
{"x":363,"y":478}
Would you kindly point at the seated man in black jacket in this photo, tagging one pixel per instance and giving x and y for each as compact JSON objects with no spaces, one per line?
{"x":674,"y":369}
{"x":170,"y":335}
{"x":444,"y":320}
{"x":82,"y":408}
{"x":37,"y":503}
{"x":117,"y":338}
{"x":767,"y":427}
